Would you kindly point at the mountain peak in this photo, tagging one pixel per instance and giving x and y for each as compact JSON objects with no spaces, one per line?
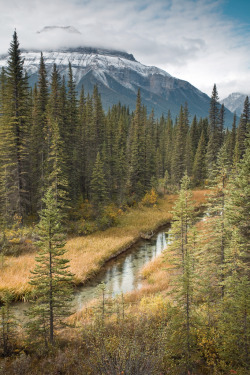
{"x":235,"y":102}
{"x":119,"y":76}
{"x":101,"y":51}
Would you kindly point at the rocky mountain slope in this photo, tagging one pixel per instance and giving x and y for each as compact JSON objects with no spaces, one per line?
{"x":119,"y":76}
{"x":235,"y":102}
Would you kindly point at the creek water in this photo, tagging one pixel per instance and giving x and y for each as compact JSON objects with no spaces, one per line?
{"x":120,"y":275}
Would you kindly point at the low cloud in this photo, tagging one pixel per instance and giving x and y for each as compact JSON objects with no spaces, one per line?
{"x":190,"y":39}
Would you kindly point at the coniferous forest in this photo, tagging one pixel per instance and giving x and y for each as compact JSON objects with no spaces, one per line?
{"x":68,"y":169}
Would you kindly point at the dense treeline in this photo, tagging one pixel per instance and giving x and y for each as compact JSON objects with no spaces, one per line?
{"x":50,"y":136}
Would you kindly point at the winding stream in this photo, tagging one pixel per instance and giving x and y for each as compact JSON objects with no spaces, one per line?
{"x":120,"y":275}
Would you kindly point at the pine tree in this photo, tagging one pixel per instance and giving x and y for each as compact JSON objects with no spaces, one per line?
{"x":199,"y":167}
{"x":239,"y":206}
{"x":215,"y":228}
{"x":189,"y":156}
{"x":5,"y":214}
{"x":243,"y":127}
{"x":151,"y":152}
{"x":7,"y":325}
{"x":51,"y":278}
{"x":71,"y":151}
{"x":136,"y":152}
{"x":38,"y":151}
{"x":234,"y":325}
{"x":169,"y":143}
{"x":178,"y":156}
{"x":181,"y":327}
{"x":98,"y":186}
{"x":98,"y":118}
{"x":194,"y":134}
{"x":214,"y":141}
{"x":81,"y":142}
{"x":231,"y":141}
{"x":221,"y":123}
{"x":57,"y":177}
{"x":119,"y":157}
{"x":14,"y":135}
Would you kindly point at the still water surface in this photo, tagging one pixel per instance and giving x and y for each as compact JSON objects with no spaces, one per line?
{"x":121,"y":275}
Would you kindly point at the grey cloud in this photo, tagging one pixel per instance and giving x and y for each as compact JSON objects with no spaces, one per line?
{"x":187,"y":38}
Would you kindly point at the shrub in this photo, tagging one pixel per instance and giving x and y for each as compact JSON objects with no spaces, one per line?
{"x":150,"y":198}
{"x":109,"y":217}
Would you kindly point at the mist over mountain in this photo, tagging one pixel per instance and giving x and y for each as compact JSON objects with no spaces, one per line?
{"x":68,"y":29}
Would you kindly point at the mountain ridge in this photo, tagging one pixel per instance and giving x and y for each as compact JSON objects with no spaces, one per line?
{"x":118,"y":76}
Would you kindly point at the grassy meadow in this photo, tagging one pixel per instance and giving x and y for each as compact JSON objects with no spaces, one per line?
{"x":88,"y":254}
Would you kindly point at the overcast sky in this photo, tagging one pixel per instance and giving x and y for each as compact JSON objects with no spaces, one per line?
{"x":201,"y":41}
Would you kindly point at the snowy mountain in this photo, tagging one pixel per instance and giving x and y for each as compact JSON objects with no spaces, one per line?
{"x":119,"y":76}
{"x":235,"y":102}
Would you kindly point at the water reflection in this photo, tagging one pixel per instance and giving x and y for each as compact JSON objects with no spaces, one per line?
{"x":121,"y":274}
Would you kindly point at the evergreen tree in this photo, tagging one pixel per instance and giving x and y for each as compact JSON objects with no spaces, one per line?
{"x":189,"y":156}
{"x":51,"y":278}
{"x":178,"y":156}
{"x":231,"y":141}
{"x":243,"y":127}
{"x":199,"y":167}
{"x":181,"y":328}
{"x":221,"y":122}
{"x":7,"y":325}
{"x":234,"y":325}
{"x":57,"y":177}
{"x":81,"y":142}
{"x":194,"y":134}
{"x":214,"y":141}
{"x":98,"y":186}
{"x":98,"y":119}
{"x":239,"y":206}
{"x":168,"y":144}
{"x":71,"y":151}
{"x":14,"y":135}
{"x":38,"y":151}
{"x":216,"y":225}
{"x":136,"y":152}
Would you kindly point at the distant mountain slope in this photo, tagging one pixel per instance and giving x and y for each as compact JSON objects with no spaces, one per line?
{"x":235,"y":102}
{"x":119,"y":76}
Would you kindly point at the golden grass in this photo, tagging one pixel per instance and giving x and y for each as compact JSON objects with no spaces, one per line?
{"x":88,"y":254}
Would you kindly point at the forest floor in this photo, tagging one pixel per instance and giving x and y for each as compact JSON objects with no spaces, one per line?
{"x":87,"y":254}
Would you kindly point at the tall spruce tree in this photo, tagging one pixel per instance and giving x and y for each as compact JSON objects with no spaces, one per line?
{"x":98,"y":185}
{"x":235,"y":327}
{"x":199,"y":167}
{"x":70,"y":142}
{"x":178,"y":156}
{"x":38,"y":150}
{"x":14,"y":135}
{"x":214,"y":141}
{"x":51,"y":278}
{"x":136,"y":152}
{"x":182,"y":250}
{"x":243,"y":127}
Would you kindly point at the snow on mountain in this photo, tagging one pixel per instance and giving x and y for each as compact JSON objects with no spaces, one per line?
{"x":119,"y":76}
{"x":84,"y":60}
{"x":235,"y":102}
